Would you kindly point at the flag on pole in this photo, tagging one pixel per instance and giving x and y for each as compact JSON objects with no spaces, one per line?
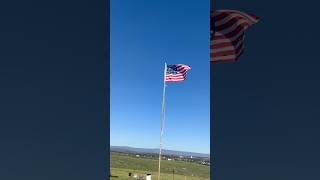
{"x":227,"y":32}
{"x":172,"y":73}
{"x":176,"y":72}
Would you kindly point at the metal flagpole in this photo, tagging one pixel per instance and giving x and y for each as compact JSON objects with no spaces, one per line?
{"x":162,"y":116}
{"x":173,"y":174}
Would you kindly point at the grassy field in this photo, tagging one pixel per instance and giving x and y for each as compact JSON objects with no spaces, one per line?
{"x":121,"y":164}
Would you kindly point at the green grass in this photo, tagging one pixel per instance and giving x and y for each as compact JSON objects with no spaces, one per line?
{"x":121,"y":164}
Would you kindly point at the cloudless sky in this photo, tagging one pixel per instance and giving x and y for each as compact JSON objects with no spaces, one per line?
{"x":145,"y":35}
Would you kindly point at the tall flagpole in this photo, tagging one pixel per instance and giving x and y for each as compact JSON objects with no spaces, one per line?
{"x":162,"y":116}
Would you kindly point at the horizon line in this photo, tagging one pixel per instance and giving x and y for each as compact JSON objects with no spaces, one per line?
{"x":159,"y":148}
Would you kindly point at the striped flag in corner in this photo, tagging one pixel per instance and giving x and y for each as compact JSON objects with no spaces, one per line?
{"x":227,"y":32}
{"x":176,"y":72}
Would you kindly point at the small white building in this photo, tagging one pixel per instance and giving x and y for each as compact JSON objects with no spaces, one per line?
{"x":148,"y":177}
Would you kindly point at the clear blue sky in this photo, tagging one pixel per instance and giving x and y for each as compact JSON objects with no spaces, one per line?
{"x":144,"y":35}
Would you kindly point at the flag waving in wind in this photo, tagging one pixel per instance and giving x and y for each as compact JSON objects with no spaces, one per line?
{"x":176,"y":72}
{"x":227,"y":32}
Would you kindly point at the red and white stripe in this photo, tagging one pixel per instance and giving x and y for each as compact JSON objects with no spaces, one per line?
{"x":180,"y":73}
{"x":227,"y":41}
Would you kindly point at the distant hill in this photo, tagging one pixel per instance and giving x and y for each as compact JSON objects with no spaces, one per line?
{"x":126,"y":149}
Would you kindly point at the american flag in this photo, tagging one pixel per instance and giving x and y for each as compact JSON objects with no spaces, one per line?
{"x":176,"y":72}
{"x":227,"y":32}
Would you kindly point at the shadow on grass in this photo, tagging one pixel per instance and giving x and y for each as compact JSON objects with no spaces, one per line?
{"x":114,"y":176}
